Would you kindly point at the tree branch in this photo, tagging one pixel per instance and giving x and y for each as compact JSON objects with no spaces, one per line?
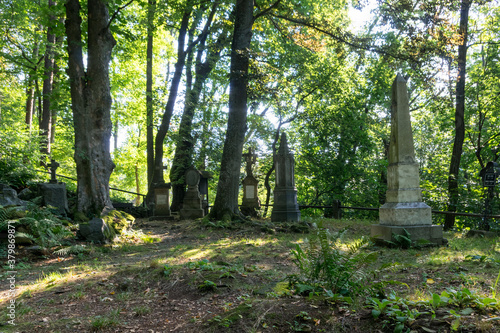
{"x":117,"y":12}
{"x":265,"y":11}
{"x":343,"y":39}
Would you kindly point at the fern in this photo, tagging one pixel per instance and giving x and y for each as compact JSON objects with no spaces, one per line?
{"x":3,"y":214}
{"x":26,"y":235}
{"x":324,"y":267}
{"x":74,"y":249}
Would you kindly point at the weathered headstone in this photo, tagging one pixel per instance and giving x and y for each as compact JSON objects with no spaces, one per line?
{"x":161,"y":209}
{"x":192,"y":206}
{"x":404,"y":209}
{"x":53,"y":168}
{"x":203,"y":189}
{"x":285,"y":207}
{"x":250,"y":203}
{"x":54,"y":192}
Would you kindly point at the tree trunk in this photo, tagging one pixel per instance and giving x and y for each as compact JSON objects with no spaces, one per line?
{"x":45,"y":125}
{"x":169,"y":108}
{"x":226,"y":200}
{"x":459,"y":117}
{"x":185,"y":145}
{"x":30,"y":103}
{"x":150,"y":145}
{"x":91,"y":104}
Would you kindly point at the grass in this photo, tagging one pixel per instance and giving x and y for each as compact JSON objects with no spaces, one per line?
{"x":225,"y":280}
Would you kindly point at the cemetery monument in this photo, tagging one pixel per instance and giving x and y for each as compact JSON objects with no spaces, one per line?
{"x":285,"y":208}
{"x":404,"y":209}
{"x":250,"y":203}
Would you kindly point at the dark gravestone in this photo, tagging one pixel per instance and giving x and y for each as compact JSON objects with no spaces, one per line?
{"x":54,"y":193}
{"x":250,"y":203}
{"x":192,"y":206}
{"x":203,"y":189}
{"x":285,"y":207}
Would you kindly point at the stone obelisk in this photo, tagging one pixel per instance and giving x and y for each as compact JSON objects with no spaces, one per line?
{"x":404,"y":208}
{"x":285,"y":207}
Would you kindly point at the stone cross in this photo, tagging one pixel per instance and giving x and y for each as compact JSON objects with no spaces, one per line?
{"x":53,"y":167}
{"x":250,"y":159}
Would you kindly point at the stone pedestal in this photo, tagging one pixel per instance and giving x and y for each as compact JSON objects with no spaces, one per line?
{"x":54,"y":194}
{"x":161,"y":209}
{"x":285,"y":207}
{"x":192,"y":204}
{"x":404,"y":209}
{"x":250,"y":203}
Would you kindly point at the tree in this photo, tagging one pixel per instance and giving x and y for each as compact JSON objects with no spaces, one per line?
{"x":226,"y":201}
{"x":45,"y":125}
{"x":91,"y":103}
{"x":149,"y":92}
{"x":459,"y":116}
{"x":185,"y":143}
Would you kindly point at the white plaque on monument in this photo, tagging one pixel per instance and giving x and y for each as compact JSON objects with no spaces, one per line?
{"x":161,"y":199}
{"x":250,"y":191}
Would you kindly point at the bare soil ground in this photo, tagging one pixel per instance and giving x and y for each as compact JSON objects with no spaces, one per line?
{"x":197,"y":278}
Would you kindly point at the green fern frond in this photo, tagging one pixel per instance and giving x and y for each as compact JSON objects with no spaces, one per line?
{"x":26,"y":235}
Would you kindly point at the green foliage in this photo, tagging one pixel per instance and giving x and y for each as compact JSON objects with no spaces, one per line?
{"x":207,"y":285}
{"x":399,"y":312}
{"x":324,"y":267}
{"x":39,"y":225}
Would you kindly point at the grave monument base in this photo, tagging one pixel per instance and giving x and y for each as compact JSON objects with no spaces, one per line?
{"x":432,"y":234}
{"x":405,"y":214}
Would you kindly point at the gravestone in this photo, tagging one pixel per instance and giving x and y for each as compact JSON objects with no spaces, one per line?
{"x":54,"y":192}
{"x":404,"y":208}
{"x":203,"y":189}
{"x":161,"y":210}
{"x":250,"y":203}
{"x":285,"y":207}
{"x":192,"y":205}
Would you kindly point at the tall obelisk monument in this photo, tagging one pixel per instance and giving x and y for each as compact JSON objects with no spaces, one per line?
{"x":404,"y":208}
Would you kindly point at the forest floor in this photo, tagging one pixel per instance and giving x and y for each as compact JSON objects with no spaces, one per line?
{"x":194,"y":276}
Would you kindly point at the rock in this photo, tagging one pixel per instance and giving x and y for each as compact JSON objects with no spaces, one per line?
{"x":26,"y":194}
{"x":97,"y":231}
{"x":118,"y":220}
{"x":8,"y":197}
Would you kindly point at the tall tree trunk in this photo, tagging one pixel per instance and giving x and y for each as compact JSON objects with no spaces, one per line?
{"x":169,"y":108}
{"x":185,"y":145}
{"x":30,"y":103}
{"x":45,"y":124}
{"x":150,"y":145}
{"x":459,"y":117}
{"x":226,"y":200}
{"x":91,"y":104}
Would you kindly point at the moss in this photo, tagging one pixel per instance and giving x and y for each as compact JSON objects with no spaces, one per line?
{"x":118,"y":220}
{"x":80,"y":217}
